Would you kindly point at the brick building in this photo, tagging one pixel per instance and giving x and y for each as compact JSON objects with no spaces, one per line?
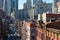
{"x":34,"y":30}
{"x":45,"y":33}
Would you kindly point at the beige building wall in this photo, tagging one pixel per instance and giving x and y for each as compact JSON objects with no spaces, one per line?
{"x":39,"y":16}
{"x":44,"y":17}
{"x":27,"y":24}
{"x":54,"y":9}
{"x":31,"y":13}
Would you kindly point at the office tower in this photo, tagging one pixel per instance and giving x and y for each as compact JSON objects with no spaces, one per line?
{"x":38,"y":8}
{"x":1,"y":4}
{"x":16,"y":9}
{"x":23,"y":13}
{"x":35,"y":2}
{"x":8,"y":6}
{"x":29,"y":4}
{"x":12,"y":5}
{"x":54,"y":6}
{"x":25,"y":6}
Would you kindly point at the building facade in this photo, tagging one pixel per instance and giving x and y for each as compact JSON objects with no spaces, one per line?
{"x":1,"y":4}
{"x":40,"y":7}
{"x":7,"y":6}
{"x":35,"y":2}
{"x":54,"y":6}
{"x":31,"y":13}
{"x":29,"y":4}
{"x":16,"y":9}
{"x":23,"y":14}
{"x":37,"y":5}
{"x":25,"y":6}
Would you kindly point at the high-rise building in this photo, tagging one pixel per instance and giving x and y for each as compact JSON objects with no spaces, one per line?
{"x":8,"y":6}
{"x":1,"y":4}
{"x":23,"y":13}
{"x":29,"y":4}
{"x":35,"y":2}
{"x":16,"y":9}
{"x":12,"y":5}
{"x":25,"y":6}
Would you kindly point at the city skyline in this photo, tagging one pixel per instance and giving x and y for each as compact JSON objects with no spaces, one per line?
{"x":20,"y":3}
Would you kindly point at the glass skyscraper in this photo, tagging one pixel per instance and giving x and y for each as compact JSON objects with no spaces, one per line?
{"x":1,"y":3}
{"x":29,"y":4}
{"x":9,"y":5}
{"x":38,"y":9}
{"x":35,"y":2}
{"x":16,"y":9}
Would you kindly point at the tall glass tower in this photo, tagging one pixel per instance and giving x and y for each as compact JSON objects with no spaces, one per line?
{"x":38,"y":9}
{"x":16,"y":9}
{"x":35,"y":2}
{"x":1,"y":3}
{"x":29,"y":4}
{"x":9,"y":5}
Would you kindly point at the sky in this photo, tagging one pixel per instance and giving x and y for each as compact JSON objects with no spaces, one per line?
{"x":20,"y":3}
